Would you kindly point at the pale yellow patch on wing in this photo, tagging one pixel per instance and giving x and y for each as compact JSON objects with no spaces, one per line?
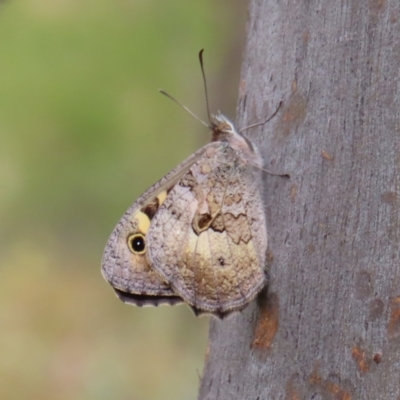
{"x":206,"y":169}
{"x":143,"y":222}
{"x":162,"y":196}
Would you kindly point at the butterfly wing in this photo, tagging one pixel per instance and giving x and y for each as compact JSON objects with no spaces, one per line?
{"x":208,"y":239}
{"x":125,"y":264}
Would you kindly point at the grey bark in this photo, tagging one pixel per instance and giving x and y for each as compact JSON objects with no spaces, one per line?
{"x":328,"y":325}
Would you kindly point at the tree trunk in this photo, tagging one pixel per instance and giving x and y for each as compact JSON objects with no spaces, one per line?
{"x":328,"y":324}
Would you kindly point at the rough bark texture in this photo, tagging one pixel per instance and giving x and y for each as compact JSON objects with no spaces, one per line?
{"x":328,"y":326}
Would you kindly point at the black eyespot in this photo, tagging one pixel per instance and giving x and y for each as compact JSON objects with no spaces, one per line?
{"x":221,"y":261}
{"x":136,"y":243}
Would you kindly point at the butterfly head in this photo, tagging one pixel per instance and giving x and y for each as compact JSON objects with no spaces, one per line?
{"x":223,"y":130}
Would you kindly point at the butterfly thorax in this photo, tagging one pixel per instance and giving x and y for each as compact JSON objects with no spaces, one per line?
{"x":223,"y":130}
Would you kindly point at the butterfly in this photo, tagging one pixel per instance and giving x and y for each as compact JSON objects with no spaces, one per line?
{"x":198,"y":235}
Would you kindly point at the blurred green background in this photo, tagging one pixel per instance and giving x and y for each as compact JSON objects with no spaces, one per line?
{"x":83,"y":132}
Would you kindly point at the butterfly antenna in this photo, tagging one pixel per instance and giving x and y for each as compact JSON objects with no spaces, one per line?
{"x":264,"y":122}
{"x":184,"y":107}
{"x":205,"y":84}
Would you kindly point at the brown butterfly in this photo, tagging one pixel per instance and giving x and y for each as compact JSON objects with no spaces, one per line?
{"x":199,"y":234}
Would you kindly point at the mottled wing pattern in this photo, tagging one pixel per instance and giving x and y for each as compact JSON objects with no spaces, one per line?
{"x":128,"y":271}
{"x":208,"y":240}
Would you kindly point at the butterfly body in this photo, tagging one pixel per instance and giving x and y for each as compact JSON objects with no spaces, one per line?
{"x":198,"y":235}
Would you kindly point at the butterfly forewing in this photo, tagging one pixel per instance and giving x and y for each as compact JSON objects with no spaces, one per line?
{"x":125,"y":263}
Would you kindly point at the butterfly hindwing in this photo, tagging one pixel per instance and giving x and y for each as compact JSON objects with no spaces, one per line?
{"x":208,"y":238}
